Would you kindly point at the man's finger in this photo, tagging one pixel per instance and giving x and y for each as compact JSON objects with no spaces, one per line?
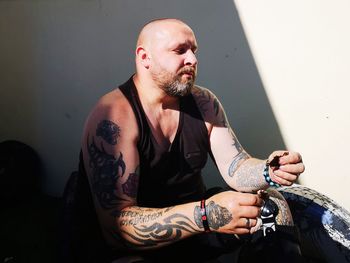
{"x":250,"y":200}
{"x":249,"y":212}
{"x":292,"y":168}
{"x":284,"y":178}
{"x":292,"y":157}
{"x":247,"y":222}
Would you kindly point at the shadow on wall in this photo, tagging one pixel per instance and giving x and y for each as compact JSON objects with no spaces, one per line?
{"x":83,"y":49}
{"x":18,"y":77}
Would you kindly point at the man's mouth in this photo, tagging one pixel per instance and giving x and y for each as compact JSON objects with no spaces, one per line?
{"x":188,"y":73}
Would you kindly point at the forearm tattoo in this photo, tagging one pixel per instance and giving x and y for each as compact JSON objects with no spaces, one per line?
{"x":106,"y":168}
{"x":217,"y":215}
{"x":134,"y":218}
{"x":242,"y":156}
{"x":284,"y":216}
{"x":170,"y":229}
{"x":249,"y":177}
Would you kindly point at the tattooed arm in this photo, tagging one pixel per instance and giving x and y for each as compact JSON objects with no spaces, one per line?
{"x":227,"y":212}
{"x":239,"y":170}
{"x":111,"y":161}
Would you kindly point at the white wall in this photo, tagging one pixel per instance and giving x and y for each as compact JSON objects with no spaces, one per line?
{"x":301,"y":49}
{"x":58,"y":57}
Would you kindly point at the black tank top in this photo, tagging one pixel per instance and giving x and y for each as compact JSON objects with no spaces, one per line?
{"x":174,"y":176}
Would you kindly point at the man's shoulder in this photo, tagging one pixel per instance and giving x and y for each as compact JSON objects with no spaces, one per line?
{"x":112,"y":103}
{"x":203,"y":97}
{"x":112,"y":107}
{"x":199,"y":92}
{"x":207,"y":103}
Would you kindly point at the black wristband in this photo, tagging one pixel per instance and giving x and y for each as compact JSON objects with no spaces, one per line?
{"x":204,"y":216}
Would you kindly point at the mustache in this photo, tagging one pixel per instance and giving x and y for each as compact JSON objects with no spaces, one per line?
{"x":188,"y":70}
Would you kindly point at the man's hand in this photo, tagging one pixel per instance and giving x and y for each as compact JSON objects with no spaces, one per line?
{"x":233,"y":212}
{"x":285,"y":167}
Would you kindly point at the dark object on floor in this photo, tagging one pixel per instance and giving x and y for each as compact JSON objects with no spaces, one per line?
{"x":29,"y":231}
{"x":28,"y":222}
{"x":19,"y":173}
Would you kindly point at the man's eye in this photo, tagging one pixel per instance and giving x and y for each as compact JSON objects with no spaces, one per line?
{"x":180,"y":50}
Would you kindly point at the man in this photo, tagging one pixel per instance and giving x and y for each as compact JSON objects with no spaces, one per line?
{"x":143,"y":149}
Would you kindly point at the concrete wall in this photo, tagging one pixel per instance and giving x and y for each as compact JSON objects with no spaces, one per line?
{"x":58,"y":57}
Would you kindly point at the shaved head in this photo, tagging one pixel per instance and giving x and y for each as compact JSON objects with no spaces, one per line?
{"x":165,"y":56}
{"x":155,"y":29}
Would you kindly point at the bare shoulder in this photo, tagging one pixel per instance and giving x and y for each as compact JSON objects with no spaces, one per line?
{"x":209,"y":105}
{"x":112,"y":111}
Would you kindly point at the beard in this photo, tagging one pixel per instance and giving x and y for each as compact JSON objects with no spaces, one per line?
{"x":173,"y":84}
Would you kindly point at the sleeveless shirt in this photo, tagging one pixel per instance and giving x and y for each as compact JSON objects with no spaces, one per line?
{"x":174,"y":176}
{"x":166,"y":177}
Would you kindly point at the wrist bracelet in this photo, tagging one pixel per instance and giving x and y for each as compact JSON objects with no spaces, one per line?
{"x":204,"y":216}
{"x":268,"y":178}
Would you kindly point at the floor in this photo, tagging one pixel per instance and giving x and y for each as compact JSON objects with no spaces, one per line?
{"x":29,"y":230}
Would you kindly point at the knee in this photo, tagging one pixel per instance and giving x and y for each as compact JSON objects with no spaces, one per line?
{"x":284,"y":216}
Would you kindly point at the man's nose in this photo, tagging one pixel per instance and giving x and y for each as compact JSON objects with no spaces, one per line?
{"x":190,"y":58}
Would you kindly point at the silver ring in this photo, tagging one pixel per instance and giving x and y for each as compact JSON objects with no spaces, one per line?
{"x":247,"y":223}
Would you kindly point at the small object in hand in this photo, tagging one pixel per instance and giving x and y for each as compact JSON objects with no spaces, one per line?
{"x":268,"y":216}
{"x":275,"y":162}
{"x":263,"y":194}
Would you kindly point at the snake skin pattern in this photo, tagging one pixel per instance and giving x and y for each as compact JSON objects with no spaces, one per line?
{"x":324,"y":225}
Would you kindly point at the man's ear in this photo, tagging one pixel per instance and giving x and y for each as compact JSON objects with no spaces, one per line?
{"x":143,"y":57}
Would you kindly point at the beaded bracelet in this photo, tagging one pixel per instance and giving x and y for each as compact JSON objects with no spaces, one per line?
{"x":204,"y":216}
{"x":268,"y":178}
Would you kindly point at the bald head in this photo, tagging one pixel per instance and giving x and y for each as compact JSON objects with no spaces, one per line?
{"x":157,"y":29}
{"x":165,"y":56}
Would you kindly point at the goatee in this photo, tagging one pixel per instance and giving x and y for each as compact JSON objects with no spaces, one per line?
{"x":178,"y":89}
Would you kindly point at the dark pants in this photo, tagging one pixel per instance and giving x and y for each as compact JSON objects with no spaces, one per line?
{"x":86,"y":243}
{"x":281,"y":246}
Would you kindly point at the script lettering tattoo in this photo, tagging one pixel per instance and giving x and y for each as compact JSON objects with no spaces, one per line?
{"x":130,"y":186}
{"x":140,"y":215}
{"x":236,"y":161}
{"x":171,"y":229}
{"x":134,"y":218}
{"x":109,"y":131}
{"x":218,"y":216}
{"x":106,"y":170}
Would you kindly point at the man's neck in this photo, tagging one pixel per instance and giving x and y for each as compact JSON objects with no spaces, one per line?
{"x":153,"y":96}
{"x":162,"y":111}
